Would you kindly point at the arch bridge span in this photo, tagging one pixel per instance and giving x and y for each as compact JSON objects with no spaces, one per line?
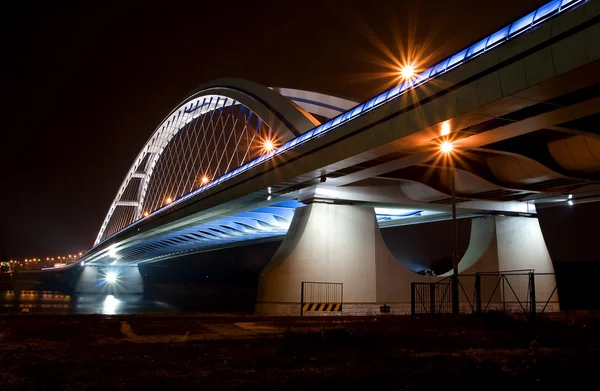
{"x":521,"y":106}
{"x":215,"y":130}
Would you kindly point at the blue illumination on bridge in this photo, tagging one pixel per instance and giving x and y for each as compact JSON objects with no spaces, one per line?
{"x":266,"y":223}
{"x":506,"y":33}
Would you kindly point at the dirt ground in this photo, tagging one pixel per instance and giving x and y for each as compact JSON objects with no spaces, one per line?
{"x":386,"y":353}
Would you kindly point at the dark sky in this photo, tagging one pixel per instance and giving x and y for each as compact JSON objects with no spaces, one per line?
{"x":84,"y":86}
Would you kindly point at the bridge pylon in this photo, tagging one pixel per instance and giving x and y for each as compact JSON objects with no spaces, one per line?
{"x":342,"y":244}
{"x":326,"y":243}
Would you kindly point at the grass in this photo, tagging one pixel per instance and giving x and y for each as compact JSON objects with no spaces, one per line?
{"x":395,"y":353}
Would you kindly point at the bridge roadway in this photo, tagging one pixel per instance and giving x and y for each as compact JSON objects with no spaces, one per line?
{"x":522,"y":118}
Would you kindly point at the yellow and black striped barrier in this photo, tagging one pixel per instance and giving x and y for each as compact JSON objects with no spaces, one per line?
{"x":322,"y":307}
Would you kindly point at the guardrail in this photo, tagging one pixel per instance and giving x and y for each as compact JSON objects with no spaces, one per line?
{"x":513,"y":291}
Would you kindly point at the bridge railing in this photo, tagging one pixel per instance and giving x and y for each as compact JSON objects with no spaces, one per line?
{"x":531,"y":20}
{"x":510,"y":31}
{"x":519,"y":291}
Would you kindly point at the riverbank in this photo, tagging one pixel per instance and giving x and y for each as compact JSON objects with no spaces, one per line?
{"x":95,"y":352}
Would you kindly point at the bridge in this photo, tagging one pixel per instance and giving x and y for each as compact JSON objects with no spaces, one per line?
{"x":510,"y":121}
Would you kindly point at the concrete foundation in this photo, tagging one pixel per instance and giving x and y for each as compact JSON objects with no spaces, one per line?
{"x":93,"y":280}
{"x":342,"y":244}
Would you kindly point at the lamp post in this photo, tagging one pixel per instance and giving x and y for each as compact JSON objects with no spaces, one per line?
{"x":447,"y":150}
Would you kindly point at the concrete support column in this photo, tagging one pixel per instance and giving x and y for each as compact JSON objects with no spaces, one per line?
{"x":325,"y":243}
{"x":99,"y":279}
{"x":342,"y":244}
{"x":511,"y":246}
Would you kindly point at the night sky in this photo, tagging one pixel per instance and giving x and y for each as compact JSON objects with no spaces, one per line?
{"x":85,"y":86}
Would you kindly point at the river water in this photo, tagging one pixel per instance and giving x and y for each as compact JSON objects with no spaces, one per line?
{"x":55,"y":302}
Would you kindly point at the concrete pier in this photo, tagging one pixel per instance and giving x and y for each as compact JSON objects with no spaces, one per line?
{"x":325,"y":243}
{"x":342,"y":244}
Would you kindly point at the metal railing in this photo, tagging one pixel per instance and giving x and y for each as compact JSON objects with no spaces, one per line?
{"x":431,"y":298}
{"x":513,"y":291}
{"x":321,"y":297}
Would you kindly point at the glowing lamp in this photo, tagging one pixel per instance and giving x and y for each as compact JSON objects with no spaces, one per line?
{"x":111,"y":277}
{"x":446,"y":147}
{"x":268,"y":145}
{"x":407,"y":72}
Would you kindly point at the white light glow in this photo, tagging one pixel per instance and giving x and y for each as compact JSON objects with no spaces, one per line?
{"x":110,"y":305}
{"x":570,"y":203}
{"x":111,"y":277}
{"x":269,"y":198}
{"x":570,"y":196}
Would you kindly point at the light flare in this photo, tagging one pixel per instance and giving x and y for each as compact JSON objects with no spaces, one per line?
{"x":446,"y":147}
{"x":111,"y":277}
{"x":268,"y":145}
{"x":407,"y":72}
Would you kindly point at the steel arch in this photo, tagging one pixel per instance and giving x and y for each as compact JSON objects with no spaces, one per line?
{"x":279,"y":114}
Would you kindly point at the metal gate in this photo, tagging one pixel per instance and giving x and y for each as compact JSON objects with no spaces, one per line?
{"x":321,"y":297}
{"x":431,"y":298}
{"x":484,"y":292}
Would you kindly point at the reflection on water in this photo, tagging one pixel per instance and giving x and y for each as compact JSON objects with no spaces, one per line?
{"x":118,"y":304}
{"x":110,"y":305}
{"x":52,"y":302}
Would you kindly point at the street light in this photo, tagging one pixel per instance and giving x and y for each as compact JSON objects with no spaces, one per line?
{"x":407,"y":72}
{"x":447,"y":148}
{"x":111,"y":277}
{"x":268,"y":145}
